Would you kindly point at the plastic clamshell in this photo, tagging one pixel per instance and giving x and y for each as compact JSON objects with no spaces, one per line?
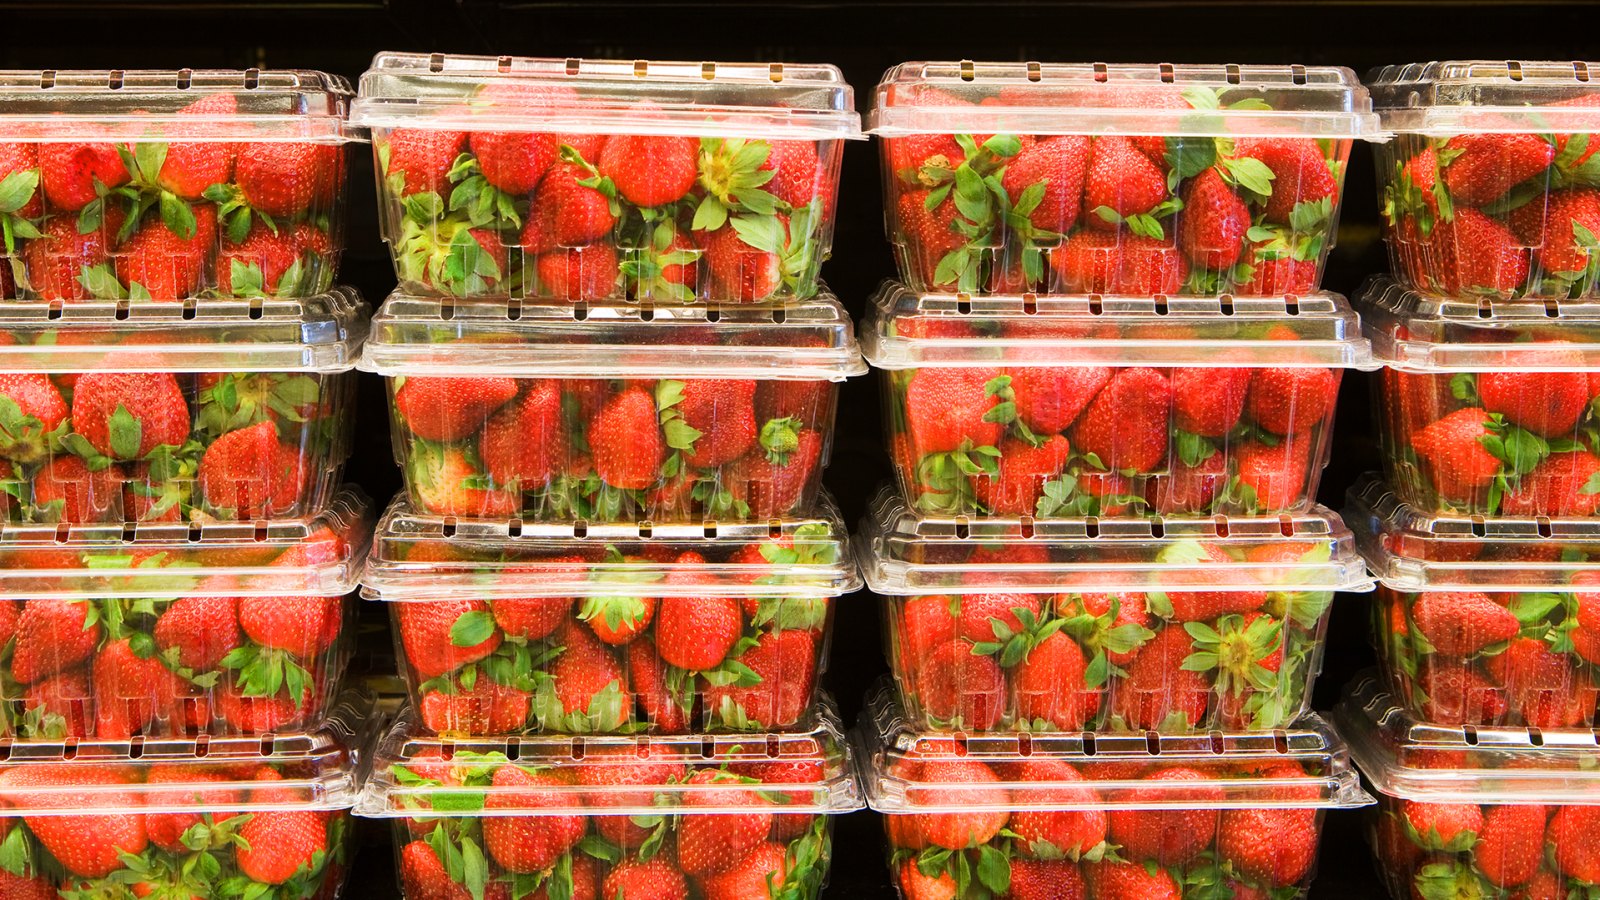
{"x":612,"y":413}
{"x":533,"y":628}
{"x":1450,"y":97}
{"x":1518,"y":375}
{"x":1110,"y":405}
{"x":565,"y":180}
{"x":214,"y":409}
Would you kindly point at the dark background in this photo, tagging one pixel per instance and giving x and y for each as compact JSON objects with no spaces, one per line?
{"x":863,"y":39}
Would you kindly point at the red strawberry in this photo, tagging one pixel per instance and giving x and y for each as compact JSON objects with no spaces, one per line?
{"x":441,"y":636}
{"x":61,"y":706}
{"x":1288,"y":401}
{"x":579,"y":274}
{"x":282,"y":179}
{"x":68,"y":172}
{"x":1551,"y":229}
{"x":975,"y":620}
{"x":38,"y":411}
{"x":1543,"y":684}
{"x":1454,"y":695}
{"x":1131,"y":881}
{"x":25,"y":887}
{"x":262,"y":715}
{"x":1033,"y":879}
{"x":1051,"y":685}
{"x":1044,"y":833}
{"x":1126,"y":424}
{"x":1024,"y":469}
{"x":131,"y":691}
{"x":1208,"y":401}
{"x":1460,"y":623}
{"x":1511,"y":844}
{"x":524,"y":443}
{"x":925,"y":235}
{"x":1049,"y":400}
{"x":66,"y":490}
{"x":54,"y":261}
{"x":759,"y":873}
{"x":1454,"y":454}
{"x":956,"y":685}
{"x":1443,"y":825}
{"x":1573,"y":847}
{"x":625,"y":438}
{"x":1278,"y":276}
{"x":1214,"y":222}
{"x":1277,"y":475}
{"x":779,"y":478}
{"x":785,"y":664}
{"x":924,"y":623}
{"x":202,"y":629}
{"x":697,"y":633}
{"x":423,"y":157}
{"x":514,"y":161}
{"x":1130,"y":609}
{"x":248,"y":474}
{"x":303,"y":626}
{"x":88,"y":844}
{"x":423,"y":876}
{"x":1300,"y":173}
{"x":643,"y":767}
{"x":663,"y":707}
{"x":916,"y":886}
{"x":712,"y":843}
{"x":445,"y":481}
{"x":740,"y":272}
{"x":530,"y":843}
{"x":723,"y":411}
{"x":189,"y":166}
{"x":256,"y":266}
{"x":450,"y":409}
{"x":530,"y":618}
{"x":52,"y":636}
{"x":278,"y":844}
{"x":617,"y":620}
{"x":1060,"y":164}
{"x":1166,"y":837}
{"x":657,"y":878}
{"x":588,"y":678}
{"x":566,"y":213}
{"x":649,"y":170}
{"x":1545,"y":403}
{"x":1275,"y":848}
{"x":1486,"y":166}
{"x":585,"y":883}
{"x":488,"y":708}
{"x":798,"y":172}
{"x":946,"y":407}
{"x":1121,"y":179}
{"x":1475,"y":254}
{"x":125,"y":415}
{"x":950,"y":779}
{"x":188,"y":785}
{"x":1158,"y":687}
{"x":1100,"y":262}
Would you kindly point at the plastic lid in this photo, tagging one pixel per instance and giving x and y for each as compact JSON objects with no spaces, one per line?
{"x":1419,"y":333}
{"x":311,"y":334}
{"x":519,"y":93}
{"x":319,"y":556}
{"x":1487,"y":95}
{"x":410,"y":768}
{"x":147,"y":104}
{"x":434,"y":336}
{"x":320,"y":769}
{"x":1110,"y":767}
{"x":904,"y":553}
{"x":1413,"y":760}
{"x":905,"y":330}
{"x":1411,"y":551}
{"x":428,"y":557}
{"x":1099,"y":98}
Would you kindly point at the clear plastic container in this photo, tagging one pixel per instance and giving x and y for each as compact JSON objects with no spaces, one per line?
{"x":614,"y":413}
{"x":195,"y":412}
{"x":1484,"y":406}
{"x":225,"y":817}
{"x":1102,"y":816}
{"x":1483,"y":621}
{"x":1107,"y":625}
{"x":1488,"y":188}
{"x":1495,"y":813}
{"x":1123,"y":179}
{"x":582,"y":179}
{"x":1090,"y":405}
{"x":172,"y":631}
{"x":519,"y":628}
{"x":723,"y":817}
{"x":164,"y":185}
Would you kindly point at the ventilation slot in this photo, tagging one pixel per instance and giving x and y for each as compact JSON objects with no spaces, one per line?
{"x":252,"y":79}
{"x":447,"y":527}
{"x":47,"y":79}
{"x":1158,"y":528}
{"x":1219,"y":745}
{"x":1025,"y":524}
{"x":967,"y":73}
{"x":641,"y":68}
{"x":185,"y":79}
{"x":1152,"y":743}
{"x":1580,"y":71}
{"x":646,"y":529}
{"x":1469,"y":733}
{"x":963,"y":528}
{"x":1091,"y":526}
{"x":1035,"y":72}
{"x":775,"y":72}
{"x":572,"y":66}
{"x":964,"y":304}
{"x":1167,"y":73}
{"x":711,"y":531}
{"x":196,"y":533}
{"x":1280,"y":743}
{"x":1543,"y":524}
{"x":1514,"y":70}
{"x":436,"y":62}
{"x":114,"y":81}
{"x":514,"y":528}
{"x":1231,"y":73}
{"x":708,"y":71}
{"x":1220,"y":523}
{"x":503,"y":64}
{"x":1297,"y":74}
{"x":1479,"y":529}
{"x":1101,"y":72}
{"x":1030,"y":303}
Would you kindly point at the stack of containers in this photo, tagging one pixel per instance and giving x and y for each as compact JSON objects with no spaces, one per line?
{"x":1481,"y":532}
{"x":612,"y":372}
{"x":176,"y":378}
{"x":1110,"y":382}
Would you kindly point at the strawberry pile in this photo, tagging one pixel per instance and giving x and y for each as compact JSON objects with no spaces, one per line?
{"x":192,"y":212}
{"x":1054,"y":441}
{"x":610,"y":450}
{"x":1140,"y":214}
{"x":588,"y":217}
{"x":576,"y":850}
{"x":1509,"y":442}
{"x":108,"y":446}
{"x":1466,"y":657}
{"x":1104,"y":847}
{"x":1494,"y":215}
{"x":621,"y":660}
{"x":199,"y":662}
{"x":112,"y":850}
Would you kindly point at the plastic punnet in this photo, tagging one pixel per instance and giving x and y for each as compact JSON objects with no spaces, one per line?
{"x":211,"y":410}
{"x":168,"y":631}
{"x":514,"y":629}
{"x":1095,"y":178}
{"x":612,"y":413}
{"x":1110,"y":405}
{"x":164,"y":185}
{"x":582,"y":180}
{"x":589,"y":817}
{"x":1488,"y":188}
{"x":1101,"y":816}
{"x":1109,"y":625}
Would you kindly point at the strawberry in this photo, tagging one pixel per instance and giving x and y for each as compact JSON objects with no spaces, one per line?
{"x":1279,"y":276}
{"x":1046,"y":833}
{"x":55,"y":261}
{"x":566,"y":213}
{"x":1545,"y":403}
{"x":58,"y":707}
{"x":530,"y":843}
{"x":202,"y":630}
{"x":1130,"y":881}
{"x":1166,"y":837}
{"x":423,"y":876}
{"x":1460,"y":623}
{"x":257,"y":265}
{"x":785,"y":667}
{"x":585,"y":883}
{"x":188,"y":786}
{"x":588,"y":679}
{"x":249,"y":474}
{"x":759,"y":873}
{"x":1485,"y":166}
{"x":303,"y":626}
{"x":530,"y":618}
{"x":924,"y":623}
{"x":1111,"y":611}
{"x":1275,"y":848}
{"x":451,"y":408}
{"x":1024,"y":470}
{"x":1543,"y":684}
{"x":1100,"y":262}
{"x":26,"y":887}
{"x":441,"y":636}
{"x":1573,"y":848}
{"x":1211,"y":234}
{"x":278,"y":844}
{"x":649,"y":170}
{"x":282,"y":179}
{"x":1034,"y":879}
{"x":1475,"y":254}
{"x":741,"y":272}
{"x":68,"y":172}
{"x":131,"y":691}
{"x":188,"y":166}
{"x":1208,"y":401}
{"x":1554,"y":229}
{"x":88,"y":844}
{"x":1126,"y":424}
{"x":925,"y":235}
{"x":977,"y":618}
{"x":579,"y":274}
{"x":514,"y":162}
{"x":1121,"y":180}
{"x":798,"y":173}
{"x":1049,"y":400}
{"x":1051,"y":687}
{"x":52,"y":636}
{"x":1058,"y":163}
{"x":31,"y":409}
{"x":445,"y":481}
{"x":1277,"y":475}
{"x":723,"y":412}
{"x":946,"y":409}
{"x":916,"y":886}
{"x":957,"y":685}
{"x":1287,"y":401}
{"x":697,"y":633}
{"x":625,"y":438}
{"x":125,"y":415}
{"x":1202,"y":606}
{"x":961,"y":783}
{"x":644,"y":767}
{"x":663,"y":707}
{"x":524,"y":443}
{"x":1511,"y":844}
{"x":1454,"y":695}
{"x":637,"y":878}
{"x":67,"y":490}
{"x":1443,"y":826}
{"x":711,"y":843}
{"x":1300,"y":174}
{"x":1157,"y":687}
{"x":779,"y":479}
{"x":1452,"y":448}
{"x":488,"y":708}
{"x":422,"y":158}
{"x":262,"y":715}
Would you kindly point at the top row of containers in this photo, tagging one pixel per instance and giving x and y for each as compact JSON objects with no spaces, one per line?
{"x":583,"y":180}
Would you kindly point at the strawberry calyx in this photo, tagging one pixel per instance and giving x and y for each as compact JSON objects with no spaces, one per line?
{"x":984,"y":868}
{"x":944,"y":476}
{"x":644,"y":267}
{"x":16,"y":192}
{"x":1102,"y":635}
{"x":268,"y":672}
{"x":101,"y":283}
{"x":731,"y":170}
{"x":237,"y":400}
{"x":483,"y":204}
{"x":1451,"y":881}
{"x":1011,"y":647}
{"x":23,"y":437}
{"x":779,"y":438}
{"x":446,"y":255}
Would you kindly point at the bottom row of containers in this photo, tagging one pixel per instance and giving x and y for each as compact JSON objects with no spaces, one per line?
{"x":1460,"y":813}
